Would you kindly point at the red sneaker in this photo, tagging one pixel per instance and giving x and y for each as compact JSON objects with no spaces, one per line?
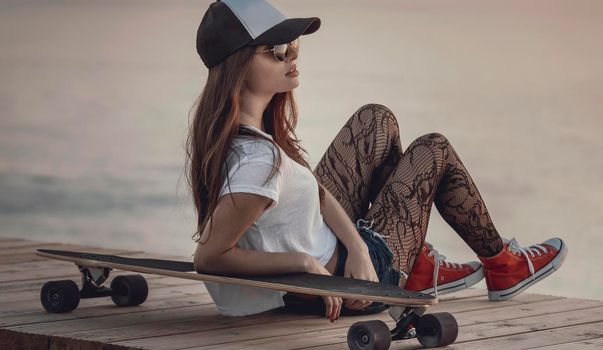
{"x":449,"y":277}
{"x":516,"y":268}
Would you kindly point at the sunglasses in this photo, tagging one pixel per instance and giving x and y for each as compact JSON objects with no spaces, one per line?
{"x":283,"y":51}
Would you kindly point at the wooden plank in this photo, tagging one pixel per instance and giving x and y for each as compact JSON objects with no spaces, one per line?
{"x":106,"y":308}
{"x":328,"y":339}
{"x":482,"y":303}
{"x":147,"y":324}
{"x":561,"y":335}
{"x":466,"y":303}
{"x":176,"y":326}
{"x":194,"y":332}
{"x":526,"y":325}
{"x":33,"y":304}
{"x":239,"y":337}
{"x":173,"y":295}
{"x":523,"y":327}
{"x":596,"y":343}
{"x":307,"y":335}
{"x":75,"y":326}
{"x":211,"y":307}
{"x":510,"y":312}
{"x":209,"y":328}
{"x":463,"y":294}
{"x":33,"y":290}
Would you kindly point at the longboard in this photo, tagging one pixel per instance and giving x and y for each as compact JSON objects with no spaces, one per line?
{"x":406,"y":307}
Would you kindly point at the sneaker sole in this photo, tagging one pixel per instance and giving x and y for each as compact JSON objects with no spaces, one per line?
{"x":541,"y":274}
{"x":457,"y":285}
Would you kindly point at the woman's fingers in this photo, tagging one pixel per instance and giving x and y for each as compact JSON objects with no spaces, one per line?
{"x":333,"y":308}
{"x":328,"y":306}
{"x":336,"y":309}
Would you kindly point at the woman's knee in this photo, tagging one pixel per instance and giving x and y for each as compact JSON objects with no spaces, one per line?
{"x":379,"y":118}
{"x":433,"y":145}
{"x":377,"y":113}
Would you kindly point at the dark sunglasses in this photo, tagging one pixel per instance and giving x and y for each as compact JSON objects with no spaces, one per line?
{"x":283,"y":51}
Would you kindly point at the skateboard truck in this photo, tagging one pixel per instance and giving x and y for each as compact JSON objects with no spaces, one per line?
{"x":92,"y":282}
{"x":406,"y":318}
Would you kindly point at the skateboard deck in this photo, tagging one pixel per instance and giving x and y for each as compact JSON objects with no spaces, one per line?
{"x":406,"y":308}
{"x":306,"y":283}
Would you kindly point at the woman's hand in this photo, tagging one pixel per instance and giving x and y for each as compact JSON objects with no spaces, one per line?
{"x":333,"y":304}
{"x":359,"y":266}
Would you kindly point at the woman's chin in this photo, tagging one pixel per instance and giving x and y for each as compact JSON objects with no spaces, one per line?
{"x":294,"y":83}
{"x":290,"y":86}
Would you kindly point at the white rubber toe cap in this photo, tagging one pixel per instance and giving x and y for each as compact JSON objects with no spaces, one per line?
{"x":474,"y":264}
{"x":555,"y":242}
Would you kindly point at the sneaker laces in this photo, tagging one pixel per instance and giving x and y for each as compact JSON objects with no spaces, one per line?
{"x":533,"y":250}
{"x":439,"y":260}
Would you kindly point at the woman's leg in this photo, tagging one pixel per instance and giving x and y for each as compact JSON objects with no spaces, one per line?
{"x":361,"y":156}
{"x":430,"y":172}
{"x":366,"y":170}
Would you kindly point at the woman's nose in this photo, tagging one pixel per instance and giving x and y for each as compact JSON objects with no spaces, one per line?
{"x":293,"y":55}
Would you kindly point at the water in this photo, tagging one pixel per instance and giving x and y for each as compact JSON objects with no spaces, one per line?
{"x":94,"y":102}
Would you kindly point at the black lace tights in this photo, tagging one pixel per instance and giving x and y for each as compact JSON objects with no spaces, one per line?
{"x":373,"y":179}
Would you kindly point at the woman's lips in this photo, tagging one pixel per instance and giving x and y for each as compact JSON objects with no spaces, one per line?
{"x":293,"y":74}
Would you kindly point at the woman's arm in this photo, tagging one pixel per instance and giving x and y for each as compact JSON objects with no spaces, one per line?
{"x":239,"y":261}
{"x":219,"y":253}
{"x":339,"y":221}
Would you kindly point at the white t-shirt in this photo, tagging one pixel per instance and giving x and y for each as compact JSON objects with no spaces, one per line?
{"x":292,"y":223}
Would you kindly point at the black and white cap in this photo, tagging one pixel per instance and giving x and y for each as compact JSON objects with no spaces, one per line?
{"x":229,"y":25}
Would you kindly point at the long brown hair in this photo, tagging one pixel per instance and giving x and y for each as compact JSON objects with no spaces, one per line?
{"x":216,"y":123}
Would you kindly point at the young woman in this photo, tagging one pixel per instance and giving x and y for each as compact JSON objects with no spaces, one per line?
{"x":362,"y":213}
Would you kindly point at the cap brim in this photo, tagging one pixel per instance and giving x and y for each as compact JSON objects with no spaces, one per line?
{"x":287,"y":31}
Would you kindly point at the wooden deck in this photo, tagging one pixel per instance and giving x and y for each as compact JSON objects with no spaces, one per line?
{"x":179,"y":314}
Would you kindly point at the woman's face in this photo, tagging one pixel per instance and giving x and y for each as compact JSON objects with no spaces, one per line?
{"x":267,"y":75}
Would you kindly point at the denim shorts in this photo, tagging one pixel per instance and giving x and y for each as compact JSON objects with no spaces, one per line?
{"x":380,"y":253}
{"x":381,"y":257}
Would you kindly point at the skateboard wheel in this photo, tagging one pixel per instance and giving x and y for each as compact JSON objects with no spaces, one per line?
{"x":60,"y":296}
{"x":129,"y":290}
{"x":369,"y":335}
{"x":437,"y":329}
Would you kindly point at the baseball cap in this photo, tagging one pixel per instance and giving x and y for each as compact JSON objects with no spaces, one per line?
{"x":229,"y":25}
